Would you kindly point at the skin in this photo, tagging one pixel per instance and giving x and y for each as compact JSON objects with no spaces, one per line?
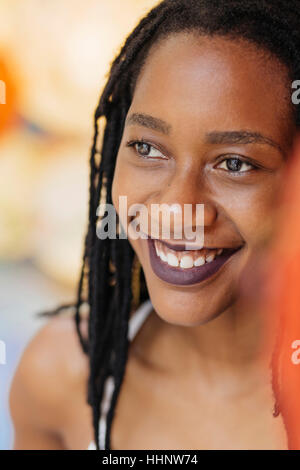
{"x":198,"y":340}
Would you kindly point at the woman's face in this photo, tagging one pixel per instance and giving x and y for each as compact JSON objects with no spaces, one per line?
{"x":215,"y":118}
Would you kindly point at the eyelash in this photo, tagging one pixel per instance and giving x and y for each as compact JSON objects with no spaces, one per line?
{"x":242,"y":161}
{"x":133,"y":143}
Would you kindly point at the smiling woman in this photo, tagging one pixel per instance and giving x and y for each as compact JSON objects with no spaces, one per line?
{"x":197,"y":110}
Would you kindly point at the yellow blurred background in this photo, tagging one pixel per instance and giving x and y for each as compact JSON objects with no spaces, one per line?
{"x":54,"y":60}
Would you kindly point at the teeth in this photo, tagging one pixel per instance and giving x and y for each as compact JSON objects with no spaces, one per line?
{"x":172,"y":260}
{"x":186,"y":262}
{"x":156,"y":249}
{"x":210,"y":257}
{"x":199,"y":261}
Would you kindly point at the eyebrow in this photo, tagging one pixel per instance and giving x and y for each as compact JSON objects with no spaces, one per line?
{"x":149,"y":121}
{"x":240,"y":137}
{"x":214,"y":137}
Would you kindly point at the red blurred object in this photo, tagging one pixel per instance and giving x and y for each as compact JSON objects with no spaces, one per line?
{"x":9,"y":92}
{"x":282,"y":302}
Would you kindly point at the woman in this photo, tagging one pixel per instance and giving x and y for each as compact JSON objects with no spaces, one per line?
{"x":197,"y":109}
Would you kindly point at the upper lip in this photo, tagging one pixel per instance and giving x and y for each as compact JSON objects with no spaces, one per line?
{"x":183,"y":246}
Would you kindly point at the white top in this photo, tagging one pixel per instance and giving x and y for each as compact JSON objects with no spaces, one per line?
{"x":135,"y":322}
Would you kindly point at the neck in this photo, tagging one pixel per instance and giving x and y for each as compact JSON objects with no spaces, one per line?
{"x":235,"y":347}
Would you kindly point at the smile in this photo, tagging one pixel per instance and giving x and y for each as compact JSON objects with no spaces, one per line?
{"x":176,"y":266}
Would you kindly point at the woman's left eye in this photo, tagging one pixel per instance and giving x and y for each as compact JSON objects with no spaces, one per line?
{"x":235,"y":165}
{"x":146,"y":150}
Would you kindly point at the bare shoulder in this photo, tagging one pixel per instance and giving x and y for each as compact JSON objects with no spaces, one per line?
{"x":51,"y":373}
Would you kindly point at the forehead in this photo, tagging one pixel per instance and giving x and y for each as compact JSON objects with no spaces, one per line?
{"x":194,"y":82}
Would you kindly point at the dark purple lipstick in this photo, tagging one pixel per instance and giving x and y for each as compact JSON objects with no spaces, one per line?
{"x":182,"y":276}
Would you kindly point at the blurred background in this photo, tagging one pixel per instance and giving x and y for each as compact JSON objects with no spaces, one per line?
{"x":54,"y":58}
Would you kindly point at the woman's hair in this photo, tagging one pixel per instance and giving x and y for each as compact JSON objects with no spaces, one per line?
{"x":106,"y":279}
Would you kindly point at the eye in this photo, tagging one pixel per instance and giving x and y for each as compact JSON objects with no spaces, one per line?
{"x":235,"y":165}
{"x":144,"y":149}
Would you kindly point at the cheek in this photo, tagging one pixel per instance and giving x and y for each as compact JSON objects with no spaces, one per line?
{"x":126,"y":192}
{"x":253,"y":210}
{"x":121,"y":183}
{"x":130,"y":182}
{"x":115,"y":191}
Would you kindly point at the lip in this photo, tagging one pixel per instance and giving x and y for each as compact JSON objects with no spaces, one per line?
{"x":190,"y":276}
{"x":185,"y":247}
{"x":181,"y":246}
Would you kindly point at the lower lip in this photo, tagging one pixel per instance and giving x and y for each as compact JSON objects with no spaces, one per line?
{"x":189,"y":276}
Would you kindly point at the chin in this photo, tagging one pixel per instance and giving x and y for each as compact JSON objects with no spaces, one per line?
{"x":189,"y":308}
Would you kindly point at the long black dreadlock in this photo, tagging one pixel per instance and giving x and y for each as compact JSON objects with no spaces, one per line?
{"x":272,"y":25}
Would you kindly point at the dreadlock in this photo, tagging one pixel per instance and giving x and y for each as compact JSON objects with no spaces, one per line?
{"x":272,"y":25}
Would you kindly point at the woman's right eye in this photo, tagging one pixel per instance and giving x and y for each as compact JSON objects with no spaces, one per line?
{"x":146,"y":150}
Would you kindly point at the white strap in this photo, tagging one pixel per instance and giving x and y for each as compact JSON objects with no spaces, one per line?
{"x":92,"y":446}
{"x":138,"y":318}
{"x":107,"y":394}
{"x":134,"y":325}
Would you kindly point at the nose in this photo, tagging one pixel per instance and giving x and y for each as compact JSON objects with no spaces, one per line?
{"x":188,"y":188}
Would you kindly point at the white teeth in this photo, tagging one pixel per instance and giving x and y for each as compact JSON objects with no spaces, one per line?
{"x":209,"y":258}
{"x":183,"y":260}
{"x":186,"y":262}
{"x":172,"y":260}
{"x":199,"y":261}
